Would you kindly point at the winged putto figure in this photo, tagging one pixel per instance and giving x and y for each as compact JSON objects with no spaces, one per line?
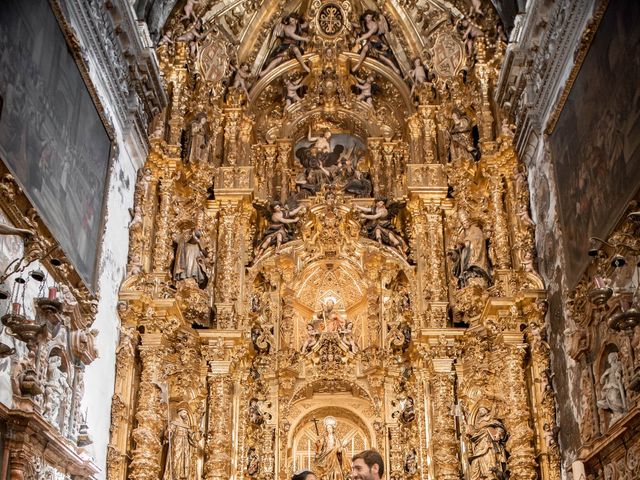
{"x":374,"y":42}
{"x":379,"y":224}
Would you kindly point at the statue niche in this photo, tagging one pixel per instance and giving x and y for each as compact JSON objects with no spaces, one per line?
{"x":190,"y":257}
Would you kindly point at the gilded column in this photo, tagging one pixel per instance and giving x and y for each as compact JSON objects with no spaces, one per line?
{"x":415,"y":147}
{"x":227,"y":276}
{"x":418,"y":243}
{"x":176,"y":80}
{"x":444,"y":441}
{"x":509,"y":353}
{"x":162,"y":248}
{"x":231,"y":136}
{"x":142,"y":223}
{"x":270,"y":153}
{"x":217,"y":465}
{"x":435,"y":259}
{"x":375,"y":146}
{"x":373,"y":315}
{"x":121,"y":404}
{"x":427,"y":114}
{"x":396,"y":462}
{"x":500,"y":226}
{"x":151,"y":411}
{"x":284,"y":153}
{"x":286,"y":325}
{"x":269,"y":451}
{"x":543,"y":395}
{"x":485,"y":125}
{"x":387,"y":154}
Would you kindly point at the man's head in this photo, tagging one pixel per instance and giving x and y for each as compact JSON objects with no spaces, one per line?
{"x":367,"y":465}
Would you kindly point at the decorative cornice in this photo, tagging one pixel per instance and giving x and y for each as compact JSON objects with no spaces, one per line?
{"x":546,"y":50}
{"x":111,"y":39}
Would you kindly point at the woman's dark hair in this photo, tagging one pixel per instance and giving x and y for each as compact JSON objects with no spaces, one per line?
{"x":301,"y":475}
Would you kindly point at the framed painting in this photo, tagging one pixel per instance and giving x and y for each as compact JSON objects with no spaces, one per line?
{"x":595,"y":145}
{"x":52,"y":136}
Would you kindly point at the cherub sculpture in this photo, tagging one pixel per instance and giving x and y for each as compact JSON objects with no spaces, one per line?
{"x":375,"y":27}
{"x":289,"y":35}
{"x":346,"y":337}
{"x":241,"y":77}
{"x":279,"y":230}
{"x":292,"y":87}
{"x":418,"y":75}
{"x":366,"y":87}
{"x":379,"y":224}
{"x":189,"y":14}
{"x":192,"y":35}
{"x":312,"y":338}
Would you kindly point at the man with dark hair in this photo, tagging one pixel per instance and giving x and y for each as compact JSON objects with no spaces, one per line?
{"x":367,"y":465}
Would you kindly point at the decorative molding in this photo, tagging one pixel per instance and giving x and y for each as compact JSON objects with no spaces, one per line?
{"x":543,"y":57}
{"x":111,"y":39}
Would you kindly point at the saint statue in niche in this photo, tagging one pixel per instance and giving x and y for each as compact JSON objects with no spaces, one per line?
{"x":328,"y":319}
{"x":488,"y":456}
{"x":190,"y":257}
{"x":331,"y":457}
{"x":613,"y":396}
{"x":182,"y":440}
{"x":469,"y":256}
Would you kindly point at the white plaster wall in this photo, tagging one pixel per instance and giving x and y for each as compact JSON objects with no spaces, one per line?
{"x":99,"y":376}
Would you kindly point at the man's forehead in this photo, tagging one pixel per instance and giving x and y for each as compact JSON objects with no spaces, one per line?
{"x":359,"y":462}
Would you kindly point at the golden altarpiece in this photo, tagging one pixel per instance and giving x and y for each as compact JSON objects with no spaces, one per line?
{"x":331,"y":251}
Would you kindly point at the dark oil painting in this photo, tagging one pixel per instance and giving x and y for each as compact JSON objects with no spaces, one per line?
{"x":51,"y":136}
{"x":596,"y":142}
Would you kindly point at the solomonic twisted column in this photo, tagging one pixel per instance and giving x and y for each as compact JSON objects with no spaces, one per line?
{"x":444,"y":441}
{"x":217,"y":464}
{"x":151,"y":412}
{"x":511,"y":352}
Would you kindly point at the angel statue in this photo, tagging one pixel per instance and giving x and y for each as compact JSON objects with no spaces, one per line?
{"x":375,"y":27}
{"x":289,"y":34}
{"x":279,"y":230}
{"x":379,"y":224}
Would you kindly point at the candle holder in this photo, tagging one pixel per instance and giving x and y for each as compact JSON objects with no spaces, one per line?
{"x":24,"y":329}
{"x":624,"y":320}
{"x":48,"y":305}
{"x":601,"y":292}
